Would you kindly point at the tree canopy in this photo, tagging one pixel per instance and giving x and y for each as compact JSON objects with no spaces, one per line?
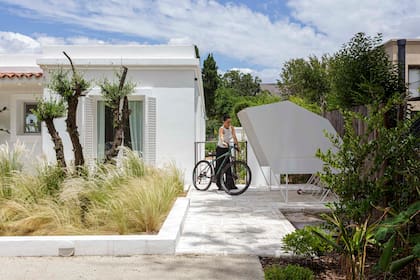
{"x":243,"y":84}
{"x":306,"y":79}
{"x":359,"y":73}
{"x":211,"y":82}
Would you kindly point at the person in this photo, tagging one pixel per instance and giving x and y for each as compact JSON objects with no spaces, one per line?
{"x":226,"y":135}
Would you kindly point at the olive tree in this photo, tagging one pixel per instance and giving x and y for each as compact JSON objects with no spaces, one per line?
{"x":47,"y":110}
{"x":115,"y":94}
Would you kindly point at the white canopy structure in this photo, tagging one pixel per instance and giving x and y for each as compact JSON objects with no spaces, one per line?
{"x":286,"y":137}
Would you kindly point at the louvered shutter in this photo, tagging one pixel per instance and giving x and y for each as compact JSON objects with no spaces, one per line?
{"x":88,"y":128}
{"x":150,"y":131}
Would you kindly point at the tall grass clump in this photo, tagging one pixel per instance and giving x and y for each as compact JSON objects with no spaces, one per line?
{"x":11,"y":159}
{"x":126,"y":198}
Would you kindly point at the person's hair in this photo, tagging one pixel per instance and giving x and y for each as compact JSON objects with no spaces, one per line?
{"x":226,"y":117}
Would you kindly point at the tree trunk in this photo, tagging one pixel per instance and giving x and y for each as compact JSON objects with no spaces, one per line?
{"x":58,"y":143}
{"x":119,"y":121}
{"x":71,"y":121}
{"x":126,"y":123}
{"x":73,"y":131}
{"x":118,"y":135}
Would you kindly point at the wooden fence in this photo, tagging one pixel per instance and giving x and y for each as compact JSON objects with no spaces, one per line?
{"x":337,"y":120}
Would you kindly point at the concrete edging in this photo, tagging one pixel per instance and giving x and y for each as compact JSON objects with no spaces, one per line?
{"x":164,"y":242}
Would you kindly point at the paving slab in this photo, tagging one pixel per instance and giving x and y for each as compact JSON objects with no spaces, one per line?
{"x":220,"y":224}
{"x":127,"y":268}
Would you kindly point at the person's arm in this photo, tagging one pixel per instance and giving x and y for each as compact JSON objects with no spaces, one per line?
{"x":221,"y":136}
{"x":235,"y":139}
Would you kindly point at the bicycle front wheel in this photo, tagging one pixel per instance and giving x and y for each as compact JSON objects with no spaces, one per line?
{"x":202,"y":175}
{"x":236,"y":177}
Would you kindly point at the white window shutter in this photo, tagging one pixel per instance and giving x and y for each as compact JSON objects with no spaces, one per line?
{"x":88,"y":128}
{"x":150,"y":131}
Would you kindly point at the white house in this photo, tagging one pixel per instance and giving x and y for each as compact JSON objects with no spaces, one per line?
{"x":168,"y":111}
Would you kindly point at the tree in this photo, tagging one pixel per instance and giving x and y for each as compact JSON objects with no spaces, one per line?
{"x":243,"y":84}
{"x":211,"y":82}
{"x":362,"y":73}
{"x":114,"y":93}
{"x":70,"y":89}
{"x":307,"y":79}
{"x":47,"y":111}
{"x":378,"y":168}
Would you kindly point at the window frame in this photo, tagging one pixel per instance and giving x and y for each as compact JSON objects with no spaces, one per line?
{"x":38,"y":127}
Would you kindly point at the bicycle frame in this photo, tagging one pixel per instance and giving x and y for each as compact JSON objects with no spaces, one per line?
{"x":226,"y":156}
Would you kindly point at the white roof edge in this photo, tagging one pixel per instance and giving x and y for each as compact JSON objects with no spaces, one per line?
{"x":142,"y":62}
{"x":118,"y":51}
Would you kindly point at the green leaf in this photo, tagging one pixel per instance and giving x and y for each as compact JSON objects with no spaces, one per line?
{"x":416,"y":250}
{"x":327,"y":240}
{"x":401,"y":263}
{"x":385,"y":258}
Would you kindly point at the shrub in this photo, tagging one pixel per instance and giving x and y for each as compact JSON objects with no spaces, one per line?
{"x":377,"y":168}
{"x":10,"y":159}
{"x":305,"y":242}
{"x":105,"y":199}
{"x":290,"y":272}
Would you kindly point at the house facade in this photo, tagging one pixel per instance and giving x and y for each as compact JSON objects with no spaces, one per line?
{"x":407,"y":52}
{"x":167,"y":106}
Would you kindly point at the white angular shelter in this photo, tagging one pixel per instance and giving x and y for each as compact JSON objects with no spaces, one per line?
{"x":285,"y":137}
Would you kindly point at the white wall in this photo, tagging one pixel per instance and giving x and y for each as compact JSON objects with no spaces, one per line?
{"x":175,"y":127}
{"x":4,"y":116}
{"x":14,"y":93}
{"x":178,"y":124}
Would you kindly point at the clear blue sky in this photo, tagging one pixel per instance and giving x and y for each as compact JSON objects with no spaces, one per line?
{"x":254,"y":36}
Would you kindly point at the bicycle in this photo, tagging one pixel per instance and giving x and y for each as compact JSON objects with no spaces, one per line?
{"x":235,"y":176}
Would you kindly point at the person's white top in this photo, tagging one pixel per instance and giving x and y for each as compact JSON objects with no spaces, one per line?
{"x":227,"y":137}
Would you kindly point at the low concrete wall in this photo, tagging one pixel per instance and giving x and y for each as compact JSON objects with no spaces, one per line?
{"x":164,"y":242}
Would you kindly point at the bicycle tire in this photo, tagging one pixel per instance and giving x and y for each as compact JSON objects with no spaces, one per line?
{"x":241,"y":188}
{"x":197,"y":180}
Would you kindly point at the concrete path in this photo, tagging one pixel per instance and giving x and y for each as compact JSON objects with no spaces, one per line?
{"x":219,"y":224}
{"x":126,"y":268}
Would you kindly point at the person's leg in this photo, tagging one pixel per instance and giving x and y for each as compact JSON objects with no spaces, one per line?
{"x":230,"y":183}
{"x":219,"y":152}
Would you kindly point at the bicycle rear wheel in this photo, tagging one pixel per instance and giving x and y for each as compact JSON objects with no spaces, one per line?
{"x":202,"y":175}
{"x":236,"y":177}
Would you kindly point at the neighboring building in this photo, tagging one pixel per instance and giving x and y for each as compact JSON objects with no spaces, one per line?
{"x":167,"y":107}
{"x":407,"y":52}
{"x":272,"y":88}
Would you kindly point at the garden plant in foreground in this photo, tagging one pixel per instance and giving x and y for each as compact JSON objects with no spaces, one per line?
{"x":128,"y":198}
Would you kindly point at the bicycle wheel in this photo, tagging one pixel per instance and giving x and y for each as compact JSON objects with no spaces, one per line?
{"x":202,"y":175}
{"x":236,"y":177}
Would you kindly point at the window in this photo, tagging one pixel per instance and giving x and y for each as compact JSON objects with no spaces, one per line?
{"x":133,"y":133}
{"x":31,"y":123}
{"x":414,"y":81}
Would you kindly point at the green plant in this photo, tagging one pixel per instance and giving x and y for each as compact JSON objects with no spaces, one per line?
{"x":307,"y":79}
{"x":10,"y":159}
{"x":133,"y":165}
{"x":51,"y":177}
{"x":305,"y":242}
{"x":115,"y":93}
{"x":290,"y":272}
{"x":399,"y":239}
{"x":377,"y":167}
{"x":302,"y":102}
{"x":70,"y":88}
{"x":210,"y":148}
{"x":47,"y":110}
{"x":360,"y":62}
{"x":352,"y":241}
{"x":106,"y":199}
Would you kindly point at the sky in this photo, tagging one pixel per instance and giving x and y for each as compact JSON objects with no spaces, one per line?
{"x":251,"y":36}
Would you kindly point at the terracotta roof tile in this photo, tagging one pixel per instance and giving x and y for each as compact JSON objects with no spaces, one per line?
{"x":19,"y":75}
